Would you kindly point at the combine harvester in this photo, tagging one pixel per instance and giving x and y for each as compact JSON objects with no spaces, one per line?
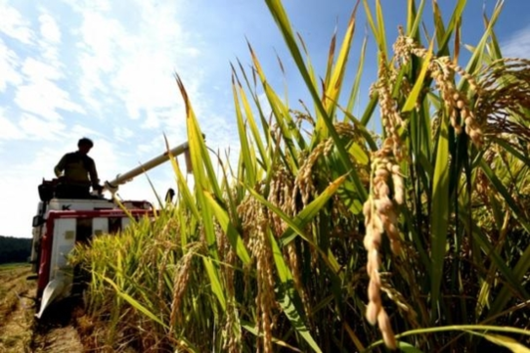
{"x":62,"y":223}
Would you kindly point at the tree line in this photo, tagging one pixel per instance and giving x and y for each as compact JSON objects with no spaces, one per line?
{"x":14,"y":249}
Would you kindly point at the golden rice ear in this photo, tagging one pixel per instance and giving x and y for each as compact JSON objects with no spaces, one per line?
{"x":372,"y":310}
{"x":390,"y":340}
{"x":386,"y":329}
{"x":373,"y":293}
{"x":379,"y":210}
{"x":399,"y":188}
{"x":180,"y":283}
{"x":395,"y":246}
{"x":367,"y":211}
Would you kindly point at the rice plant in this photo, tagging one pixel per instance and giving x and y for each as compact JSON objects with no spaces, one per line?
{"x":330,"y":237}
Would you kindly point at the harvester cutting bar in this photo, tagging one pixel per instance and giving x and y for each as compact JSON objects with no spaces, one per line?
{"x":113,"y":185}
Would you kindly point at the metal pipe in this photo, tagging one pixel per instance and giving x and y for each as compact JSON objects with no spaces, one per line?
{"x":113,"y":185}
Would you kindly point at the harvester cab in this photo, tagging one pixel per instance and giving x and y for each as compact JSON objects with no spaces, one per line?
{"x":62,"y":223}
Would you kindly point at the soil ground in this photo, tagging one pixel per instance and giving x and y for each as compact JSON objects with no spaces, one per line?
{"x":19,"y":330}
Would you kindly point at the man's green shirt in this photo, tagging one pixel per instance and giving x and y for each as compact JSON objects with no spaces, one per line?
{"x":79,"y":169}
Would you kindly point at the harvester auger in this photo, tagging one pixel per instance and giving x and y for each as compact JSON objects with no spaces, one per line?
{"x":62,"y":223}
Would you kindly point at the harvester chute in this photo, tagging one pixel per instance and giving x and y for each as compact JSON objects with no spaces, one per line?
{"x":121,"y":179}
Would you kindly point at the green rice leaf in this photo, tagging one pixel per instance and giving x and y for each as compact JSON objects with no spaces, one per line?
{"x":456,"y":16}
{"x":333,"y":89}
{"x":414,"y":18}
{"x":441,"y":209}
{"x":381,"y":28}
{"x":310,"y":211}
{"x":280,"y":16}
{"x":231,"y":232}
{"x":507,"y":342}
{"x":134,"y":303}
{"x":217,"y":289}
{"x":253,"y":126}
{"x":472,"y":329}
{"x":253,"y":330}
{"x":183,"y":185}
{"x":354,"y":94}
{"x":503,"y":341}
{"x":371,"y":22}
{"x":288,"y":297}
{"x":296,"y":225}
{"x":476,"y":59}
{"x":407,"y":347}
{"x":248,"y":161}
{"x":414,"y":94}
{"x":203,"y":181}
{"x":281,"y":114}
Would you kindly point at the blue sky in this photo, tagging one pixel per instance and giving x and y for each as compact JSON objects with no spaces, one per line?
{"x":104,"y":69}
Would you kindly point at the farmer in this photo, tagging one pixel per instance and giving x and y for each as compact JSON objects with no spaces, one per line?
{"x":79,"y":173}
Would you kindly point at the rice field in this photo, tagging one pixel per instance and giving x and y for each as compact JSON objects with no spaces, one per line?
{"x":328,"y":236}
{"x":20,"y":332}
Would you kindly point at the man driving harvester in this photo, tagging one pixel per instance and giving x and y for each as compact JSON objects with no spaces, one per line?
{"x":79,"y":173}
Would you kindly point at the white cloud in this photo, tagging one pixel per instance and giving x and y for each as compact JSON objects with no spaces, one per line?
{"x":34,"y":77}
{"x":145,"y":81}
{"x":101,"y":39}
{"x":8,"y":130}
{"x":49,"y":29}
{"x":517,"y":45}
{"x":97,"y":57}
{"x":8,"y":67}
{"x":147,"y":148}
{"x":91,"y":84}
{"x":43,"y":97}
{"x":79,"y":130}
{"x":107,"y":158}
{"x":19,"y":222}
{"x":134,"y":59}
{"x":50,"y":39}
{"x":14,"y":25}
{"x":40,"y":129}
{"x":36,"y":70}
{"x":122,"y":133}
{"x":93,"y":5}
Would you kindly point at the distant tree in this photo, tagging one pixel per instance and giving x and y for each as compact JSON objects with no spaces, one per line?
{"x":14,"y":249}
